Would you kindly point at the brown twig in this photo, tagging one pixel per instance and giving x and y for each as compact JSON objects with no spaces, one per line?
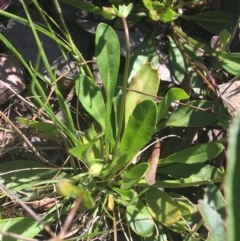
{"x":151,"y":174}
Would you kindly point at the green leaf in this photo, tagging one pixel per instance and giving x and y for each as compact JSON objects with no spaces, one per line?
{"x":88,"y":201}
{"x":199,"y":170}
{"x":189,"y":214}
{"x":162,"y":207}
{"x":121,"y":161}
{"x":20,"y":174}
{"x":84,"y":150}
{"x":224,"y":37}
{"x":133,"y":176}
{"x":67,"y":188}
{"x":215,"y":199}
{"x":168,"y":15}
{"x":213,"y":21}
{"x":24,"y":226}
{"x":108,"y":57}
{"x":84,"y":6}
{"x":146,"y":81}
{"x":123,"y":11}
{"x":41,"y":126}
{"x":141,"y":126}
{"x":173,"y":94}
{"x":231,"y":185}
{"x":90,"y":96}
{"x":140,"y":219}
{"x":196,"y":154}
{"x":213,"y":222}
{"x":230,"y":62}
{"x":178,"y":62}
{"x":125,"y":195}
{"x":187,"y":116}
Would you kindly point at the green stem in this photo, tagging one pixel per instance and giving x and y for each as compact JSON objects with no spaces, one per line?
{"x":38,"y":42}
{"x":125,"y":83}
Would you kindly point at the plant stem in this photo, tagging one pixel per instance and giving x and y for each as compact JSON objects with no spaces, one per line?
{"x":125,"y":83}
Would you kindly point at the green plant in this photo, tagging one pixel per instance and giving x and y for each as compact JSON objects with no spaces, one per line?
{"x":103,"y":175}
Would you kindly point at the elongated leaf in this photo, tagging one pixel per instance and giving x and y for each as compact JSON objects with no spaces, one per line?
{"x":196,"y":154}
{"x":125,"y":195}
{"x":89,"y":7}
{"x":231,"y":185}
{"x":24,"y":226}
{"x":178,"y":62}
{"x":214,"y":21}
{"x":187,"y":116}
{"x":215,"y":199}
{"x":199,"y":170}
{"x":213,"y":222}
{"x":108,"y":57}
{"x":230,"y":62}
{"x":162,"y":207}
{"x":173,"y":94}
{"x":42,"y":126}
{"x":91,"y":98}
{"x":140,"y":219}
{"x":141,"y":126}
{"x":224,"y":37}
{"x":134,"y":175}
{"x":146,"y":81}
{"x":17,"y":175}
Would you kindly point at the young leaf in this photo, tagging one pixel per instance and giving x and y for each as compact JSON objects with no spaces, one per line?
{"x":168,"y":15}
{"x":146,"y":81}
{"x":196,"y":154}
{"x":134,"y":175}
{"x":91,"y":98}
{"x":224,"y":37}
{"x":162,"y":207}
{"x":173,"y":94}
{"x":141,"y":126}
{"x":140,"y":219}
{"x":231,"y":185}
{"x":178,"y":62}
{"x":187,"y":116}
